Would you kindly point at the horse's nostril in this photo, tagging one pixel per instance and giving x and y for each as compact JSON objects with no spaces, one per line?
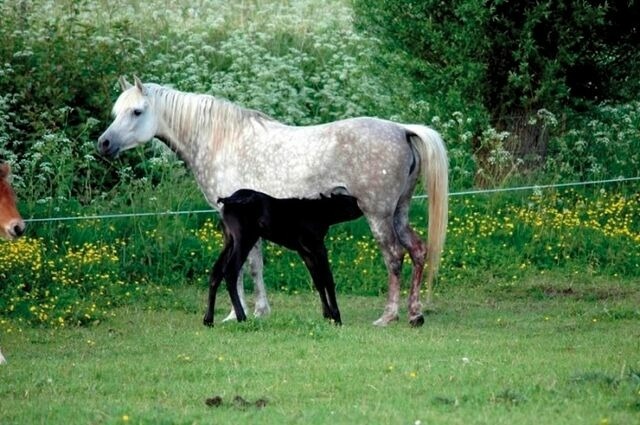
{"x":18,"y":230}
{"x":105,"y":144}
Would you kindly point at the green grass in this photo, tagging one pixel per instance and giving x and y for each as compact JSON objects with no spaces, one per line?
{"x":551,"y":350}
{"x":65,"y":273}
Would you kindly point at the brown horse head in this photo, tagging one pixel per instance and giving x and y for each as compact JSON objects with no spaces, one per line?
{"x":11,"y":223}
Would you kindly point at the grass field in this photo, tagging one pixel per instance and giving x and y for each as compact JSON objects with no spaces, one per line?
{"x":100,"y":320}
{"x":550,"y":350}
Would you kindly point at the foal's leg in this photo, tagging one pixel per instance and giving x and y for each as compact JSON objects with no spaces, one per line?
{"x":418,"y":252}
{"x":317,"y":262}
{"x":240,"y":291}
{"x":255,"y":267}
{"x":215,"y":277}
{"x":393,"y":254}
{"x":236,"y":260}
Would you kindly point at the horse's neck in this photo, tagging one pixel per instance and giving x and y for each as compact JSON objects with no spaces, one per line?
{"x":184,"y":127}
{"x":204,"y":132}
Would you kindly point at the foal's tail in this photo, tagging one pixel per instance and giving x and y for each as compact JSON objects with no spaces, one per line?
{"x":434,"y":166}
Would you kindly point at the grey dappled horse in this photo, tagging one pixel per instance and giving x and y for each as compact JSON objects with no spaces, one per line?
{"x":229,"y":148}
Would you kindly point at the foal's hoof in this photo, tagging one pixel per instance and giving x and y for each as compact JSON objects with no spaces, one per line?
{"x":336,"y":322}
{"x":417,"y":321}
{"x":207,"y":322}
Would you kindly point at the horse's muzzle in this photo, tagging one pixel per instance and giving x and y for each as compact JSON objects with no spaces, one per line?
{"x":15,"y":229}
{"x":107,"y":147}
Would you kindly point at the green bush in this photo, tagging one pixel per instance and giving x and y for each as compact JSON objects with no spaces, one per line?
{"x":60,"y":62}
{"x":503,"y":63}
{"x":604,"y":144}
{"x":514,"y":57}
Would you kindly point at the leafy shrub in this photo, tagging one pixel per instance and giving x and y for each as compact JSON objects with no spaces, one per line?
{"x":503,"y":62}
{"x":60,"y":62}
{"x":603,"y":145}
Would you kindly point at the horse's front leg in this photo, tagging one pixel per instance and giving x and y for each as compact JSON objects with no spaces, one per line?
{"x":256,"y":267}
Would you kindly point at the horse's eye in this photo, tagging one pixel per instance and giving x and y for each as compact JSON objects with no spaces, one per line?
{"x":137,"y":112}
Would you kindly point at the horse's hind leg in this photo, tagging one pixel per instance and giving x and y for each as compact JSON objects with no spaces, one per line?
{"x":417,"y":251}
{"x":393,"y":254}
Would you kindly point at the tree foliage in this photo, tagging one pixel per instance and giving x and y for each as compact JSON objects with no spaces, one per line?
{"x":515,"y":57}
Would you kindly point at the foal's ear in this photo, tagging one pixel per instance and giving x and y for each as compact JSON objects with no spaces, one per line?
{"x":124,"y":84}
{"x":5,"y":170}
{"x":138,"y":84}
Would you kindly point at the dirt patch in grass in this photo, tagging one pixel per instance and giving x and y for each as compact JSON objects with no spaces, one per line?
{"x":238,"y":402}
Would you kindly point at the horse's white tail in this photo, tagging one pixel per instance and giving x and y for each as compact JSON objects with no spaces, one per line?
{"x":435,"y":174}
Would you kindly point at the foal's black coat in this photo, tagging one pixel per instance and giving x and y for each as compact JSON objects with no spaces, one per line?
{"x":297,"y":224}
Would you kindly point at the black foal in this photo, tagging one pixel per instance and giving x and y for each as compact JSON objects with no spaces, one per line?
{"x":297,"y":224}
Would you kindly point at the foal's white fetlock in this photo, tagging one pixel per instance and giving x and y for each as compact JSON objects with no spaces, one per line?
{"x":232,"y":314}
{"x":230,"y":317}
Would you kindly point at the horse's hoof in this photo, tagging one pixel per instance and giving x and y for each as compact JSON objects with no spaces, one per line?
{"x":385,"y":320}
{"x":207,"y":322}
{"x":262,"y":310}
{"x":417,"y":321}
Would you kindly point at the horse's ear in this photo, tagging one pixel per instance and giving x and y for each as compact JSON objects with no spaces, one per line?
{"x":138,"y":84}
{"x":124,"y":84}
{"x":5,"y":170}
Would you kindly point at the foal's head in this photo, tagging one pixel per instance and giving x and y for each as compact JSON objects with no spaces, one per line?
{"x":337,"y":208}
{"x":11,"y":223}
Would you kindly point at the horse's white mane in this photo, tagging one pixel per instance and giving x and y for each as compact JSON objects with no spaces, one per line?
{"x":193,"y":116}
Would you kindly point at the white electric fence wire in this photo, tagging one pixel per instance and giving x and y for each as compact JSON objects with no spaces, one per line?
{"x":209,"y":211}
